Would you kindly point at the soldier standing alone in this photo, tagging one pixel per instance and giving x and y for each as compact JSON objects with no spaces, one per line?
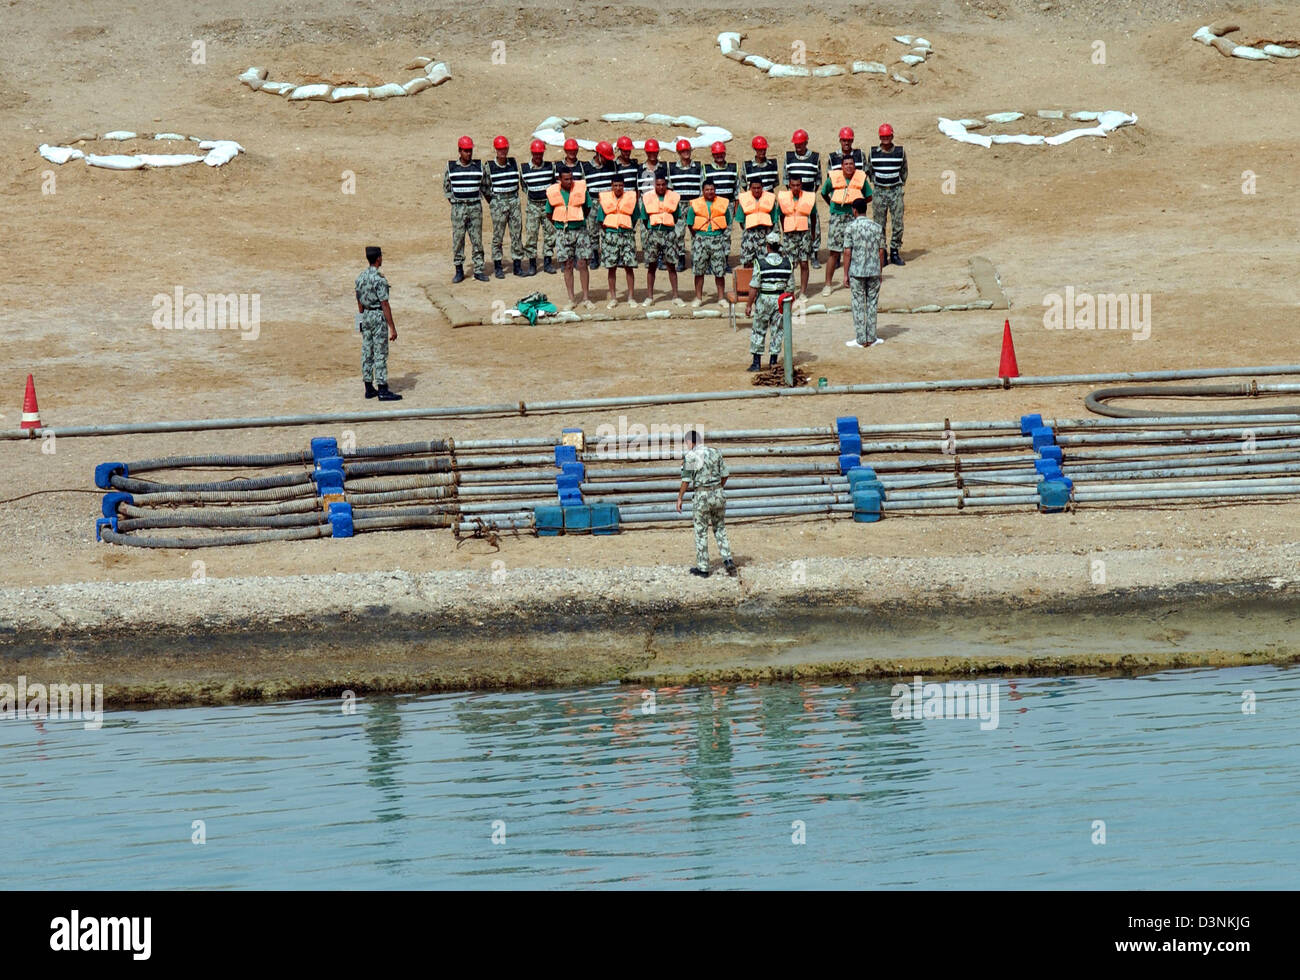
{"x":376,"y":327}
{"x":864,"y":254}
{"x":705,"y":472}
{"x":464,"y":186}
{"x":773,"y":275}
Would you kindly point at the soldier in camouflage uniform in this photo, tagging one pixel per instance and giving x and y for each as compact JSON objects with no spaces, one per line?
{"x":705,"y":472}
{"x":376,"y":322}
{"x":773,"y":275}
{"x":864,"y":253}
{"x":464,"y":185}
{"x":618,"y":240}
{"x":711,"y":218}
{"x":661,"y":211}
{"x":501,"y":175}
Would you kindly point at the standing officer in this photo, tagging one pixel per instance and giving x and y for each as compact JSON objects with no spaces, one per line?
{"x":761,"y":165}
{"x":760,"y":212}
{"x":503,"y":183}
{"x":687,"y":180}
{"x":377,"y":328}
{"x":710,"y":220}
{"x":888,"y":173}
{"x":796,"y":205}
{"x":568,"y":201}
{"x":570,"y":161}
{"x":726,"y":181}
{"x":629,"y":168}
{"x":706,"y":472}
{"x":844,"y":186}
{"x":807,"y":166}
{"x":847,"y":149}
{"x":615,"y":209}
{"x":864,"y":254}
{"x":662,"y":211}
{"x":773,"y":275}
{"x":651,"y":171}
{"x":464,"y":185}
{"x":538,"y":174}
{"x":598,"y":175}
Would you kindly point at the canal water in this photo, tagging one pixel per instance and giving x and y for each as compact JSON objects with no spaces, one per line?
{"x":1183,"y":779}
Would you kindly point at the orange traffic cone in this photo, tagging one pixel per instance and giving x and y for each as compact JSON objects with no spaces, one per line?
{"x":31,"y":415}
{"x":1008,"y":368}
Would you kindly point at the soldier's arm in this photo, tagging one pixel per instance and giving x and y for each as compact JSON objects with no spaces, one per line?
{"x":357,"y":294}
{"x":902,"y":174}
{"x":388,"y":318}
{"x":446,"y":185}
{"x":484,"y":183}
{"x":826,"y":190}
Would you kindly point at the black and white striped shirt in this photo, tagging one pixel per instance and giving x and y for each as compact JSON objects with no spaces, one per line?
{"x":646,"y":182}
{"x":464,"y":181}
{"x":631,"y":172}
{"x":598,"y":178}
{"x":888,"y":169}
{"x":537,"y":179}
{"x":686,"y":181}
{"x":725,"y":179}
{"x":836,"y":158}
{"x":808,"y":168}
{"x":503,"y":178}
{"x":767,"y":172}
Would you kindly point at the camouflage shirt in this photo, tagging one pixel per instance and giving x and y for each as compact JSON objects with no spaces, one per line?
{"x":371,"y":288}
{"x":864,"y":238}
{"x":704,"y":467}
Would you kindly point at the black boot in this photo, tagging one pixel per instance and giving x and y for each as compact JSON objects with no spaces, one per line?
{"x":460,"y":274}
{"x":730,"y":566}
{"x":594,"y":261}
{"x":500,"y":271}
{"x":771,"y":360}
{"x":517,"y":269}
{"x":700,"y":572}
{"x":532,"y":268}
{"x":481,"y":276}
{"x":370,"y":390}
{"x":388,"y":396}
{"x":547,"y":267}
{"x":757,"y":363}
{"x":895,"y":258}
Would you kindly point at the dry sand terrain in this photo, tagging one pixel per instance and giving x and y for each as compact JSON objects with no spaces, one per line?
{"x":1156,"y":209}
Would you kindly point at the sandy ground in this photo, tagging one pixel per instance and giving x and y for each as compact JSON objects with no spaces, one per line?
{"x":1156,"y":209}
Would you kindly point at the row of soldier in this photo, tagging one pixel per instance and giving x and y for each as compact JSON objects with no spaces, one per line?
{"x":617,"y":193}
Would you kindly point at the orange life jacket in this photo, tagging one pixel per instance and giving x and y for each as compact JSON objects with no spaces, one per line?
{"x":843,"y":192}
{"x":562,"y":213}
{"x":709,"y":217}
{"x":758,"y":210}
{"x":661,"y":211}
{"x":795,"y":211}
{"x":618,"y":210}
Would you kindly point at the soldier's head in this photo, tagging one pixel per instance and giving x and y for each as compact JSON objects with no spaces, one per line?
{"x":848,"y":166}
{"x":886,"y":136}
{"x":759,"y":143}
{"x":537,"y":148}
{"x":756,"y":186}
{"x":846,"y":139}
{"x":566,"y":179}
{"x":465,"y":146}
{"x":719,"y":151}
{"x":374,"y":255}
{"x":796,"y":184}
{"x":800,"y":141}
{"x":502,"y":146}
{"x":860,"y":206}
{"x":661,"y":185}
{"x":651,"y":152}
{"x":624,"y":148}
{"x":616,"y":185}
{"x":684,"y":151}
{"x":692,"y":438}
{"x":571,"y":150}
{"x":773,"y":241}
{"x":709,"y":190}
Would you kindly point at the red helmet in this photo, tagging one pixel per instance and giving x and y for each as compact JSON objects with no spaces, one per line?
{"x":652,"y":146}
{"x":683,"y":146}
{"x":465,"y":143}
{"x":717,"y":148}
{"x":886,"y":130}
{"x":758,"y":143}
{"x":570,"y":145}
{"x":625,"y":142}
{"x":846,"y":133}
{"x":500,"y":143}
{"x":800,"y":136}
{"x":536,"y":146}
{"x":605,"y":150}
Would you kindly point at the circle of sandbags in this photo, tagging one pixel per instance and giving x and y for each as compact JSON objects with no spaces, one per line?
{"x":919,"y":51}
{"x":551,"y":129}
{"x":1214,"y":36}
{"x":431,"y":73}
{"x":1105,"y":122}
{"x":216,"y":153}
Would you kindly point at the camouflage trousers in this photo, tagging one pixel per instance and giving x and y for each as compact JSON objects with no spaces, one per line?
{"x":505,"y":212}
{"x":571,"y":245}
{"x":889,"y":201}
{"x":753,"y":243}
{"x":838,"y":225}
{"x":536,"y":215}
{"x":864,"y":292}
{"x":467,"y":219}
{"x":660,"y":244}
{"x":374,"y":348}
{"x":709,"y":509}
{"x":593,"y":239}
{"x":681,"y":241}
{"x":709,"y":254}
{"x":617,"y":249}
{"x":767,"y":321}
{"x":814,"y":231}
{"x":797,"y":245}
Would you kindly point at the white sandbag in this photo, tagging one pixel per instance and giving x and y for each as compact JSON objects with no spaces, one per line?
{"x":222,"y":153}
{"x":553,"y":122}
{"x":309,"y":92}
{"x":842,"y":308}
{"x":1051,"y":114}
{"x":350,"y":93}
{"x":971,"y":123}
{"x":389,"y":91}
{"x":659,"y":119}
{"x":1085,"y":116}
{"x":1204,"y":35}
{"x":658,"y":314}
{"x":1074,"y":134}
{"x":1277,"y":51}
{"x":953,"y":129}
{"x":692,"y":122}
{"x":278,"y":88}
{"x":623,"y":117}
{"x":828,"y":71}
{"x":713,"y":134}
{"x":1004,"y":117}
{"x":1250,"y":54}
{"x":1026,"y":139}
{"x":728,"y":41}
{"x":216,"y":144}
{"x":417,"y":84}
{"x":169,"y":159}
{"x":1114,"y":119}
{"x":59,"y":154}
{"x":567,"y":315}
{"x":551,"y":137}
{"x":788,"y":71}
{"x":439,"y":73}
{"x":903,"y":38}
{"x":416,"y":64}
{"x":708,"y":313}
{"x":815,"y":308}
{"x":921,"y":42}
{"x":905,"y":79}
{"x":927,"y":308}
{"x":911,"y":59}
{"x":923,"y":52}
{"x":119,"y":134}
{"x":587,"y":144}
{"x":114,"y":162}
{"x":874,"y":67}
{"x":758,"y":61}
{"x":254,"y":78}
{"x":168,"y":136}
{"x":737,"y":54}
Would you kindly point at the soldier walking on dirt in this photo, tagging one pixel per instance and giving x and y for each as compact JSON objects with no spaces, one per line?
{"x":705,"y":472}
